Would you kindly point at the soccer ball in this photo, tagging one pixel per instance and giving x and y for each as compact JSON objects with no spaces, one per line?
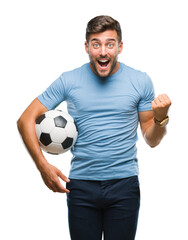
{"x":56,"y":131}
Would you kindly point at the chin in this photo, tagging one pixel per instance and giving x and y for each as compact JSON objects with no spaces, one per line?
{"x":103,"y":75}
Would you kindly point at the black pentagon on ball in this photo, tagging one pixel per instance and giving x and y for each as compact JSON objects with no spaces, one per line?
{"x":60,"y":122}
{"x":40,"y":119}
{"x":67,"y":143}
{"x":45,"y":139}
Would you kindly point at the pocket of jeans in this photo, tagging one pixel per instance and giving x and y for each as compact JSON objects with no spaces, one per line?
{"x":68,"y":185}
{"x":71,"y":185}
{"x":135,"y":186}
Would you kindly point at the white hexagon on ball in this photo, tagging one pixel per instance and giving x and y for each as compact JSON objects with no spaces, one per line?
{"x":47,"y":125}
{"x":58,"y":135}
{"x":55,"y":148}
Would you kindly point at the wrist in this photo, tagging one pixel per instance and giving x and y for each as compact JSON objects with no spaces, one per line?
{"x":41,"y":164}
{"x":160,"y":118}
{"x":161,"y":123}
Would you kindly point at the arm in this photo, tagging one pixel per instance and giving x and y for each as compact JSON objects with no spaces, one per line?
{"x":26,"y":127}
{"x":153,"y":133}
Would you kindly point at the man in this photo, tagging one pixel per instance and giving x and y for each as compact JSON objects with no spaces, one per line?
{"x":107,"y":99}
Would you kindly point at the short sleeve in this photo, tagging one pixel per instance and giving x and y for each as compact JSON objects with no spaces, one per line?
{"x":147,"y":94}
{"x":54,"y":94}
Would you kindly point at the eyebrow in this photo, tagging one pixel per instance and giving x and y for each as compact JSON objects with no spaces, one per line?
{"x":107,"y":40}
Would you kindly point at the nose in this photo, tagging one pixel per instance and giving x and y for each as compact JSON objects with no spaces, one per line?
{"x":103,"y":52}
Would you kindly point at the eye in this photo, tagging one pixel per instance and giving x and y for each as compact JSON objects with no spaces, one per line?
{"x":96,"y":45}
{"x":110,"y":45}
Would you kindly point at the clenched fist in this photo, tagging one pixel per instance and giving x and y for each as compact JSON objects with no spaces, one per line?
{"x":160,"y":106}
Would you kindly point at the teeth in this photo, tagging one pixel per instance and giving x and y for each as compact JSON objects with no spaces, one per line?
{"x":103,"y":61}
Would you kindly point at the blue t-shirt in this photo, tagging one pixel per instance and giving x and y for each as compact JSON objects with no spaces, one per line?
{"x":106,"y":114}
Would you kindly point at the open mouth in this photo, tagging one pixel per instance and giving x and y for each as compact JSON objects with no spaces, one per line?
{"x":103,"y":63}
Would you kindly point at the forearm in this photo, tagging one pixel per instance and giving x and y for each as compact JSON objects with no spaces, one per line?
{"x":154,"y":135}
{"x":27,"y":131}
{"x":153,"y":123}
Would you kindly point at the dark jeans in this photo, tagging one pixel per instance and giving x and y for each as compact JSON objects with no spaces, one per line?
{"x":109,"y":206}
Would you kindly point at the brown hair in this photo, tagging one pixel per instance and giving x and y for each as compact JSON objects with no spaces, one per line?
{"x":102,"y":23}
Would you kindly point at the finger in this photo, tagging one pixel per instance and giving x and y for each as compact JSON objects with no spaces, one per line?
{"x":165,"y":96}
{"x":161,"y":98}
{"x":52,"y":180}
{"x":160,"y":101}
{"x":64,"y":190}
{"x":56,"y":186}
{"x":167,"y":99}
{"x":62,"y":176}
{"x":164,"y":100}
{"x":157,"y":101}
{"x":152,"y":103}
{"x":60,"y":187}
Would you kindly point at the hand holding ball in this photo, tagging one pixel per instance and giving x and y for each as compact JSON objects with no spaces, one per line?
{"x":56,"y":131}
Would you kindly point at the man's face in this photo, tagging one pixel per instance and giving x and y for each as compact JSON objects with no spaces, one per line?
{"x":103,"y":49}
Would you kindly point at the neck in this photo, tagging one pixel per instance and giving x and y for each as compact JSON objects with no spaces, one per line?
{"x":116,"y":68}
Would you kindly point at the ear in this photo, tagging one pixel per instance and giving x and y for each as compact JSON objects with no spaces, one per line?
{"x":120,"y":48}
{"x":86,"y":47}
